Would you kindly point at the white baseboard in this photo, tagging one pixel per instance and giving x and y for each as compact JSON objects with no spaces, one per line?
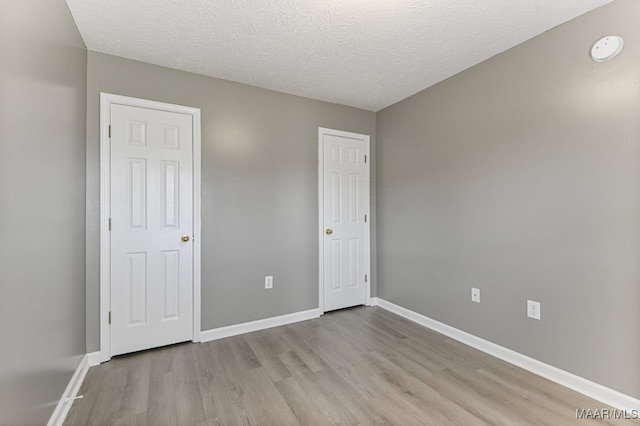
{"x":62,"y":409}
{"x":248,"y":327}
{"x":586,"y":387}
{"x":93,"y":358}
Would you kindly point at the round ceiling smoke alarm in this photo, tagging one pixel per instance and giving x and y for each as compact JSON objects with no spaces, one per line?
{"x":607,"y":48}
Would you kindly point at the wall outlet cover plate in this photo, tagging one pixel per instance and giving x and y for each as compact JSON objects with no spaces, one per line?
{"x":533,"y":309}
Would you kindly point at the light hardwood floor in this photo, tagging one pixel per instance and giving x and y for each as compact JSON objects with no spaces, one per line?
{"x":359,"y":366}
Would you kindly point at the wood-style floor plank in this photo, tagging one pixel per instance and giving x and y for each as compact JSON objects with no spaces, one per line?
{"x":360,"y":366}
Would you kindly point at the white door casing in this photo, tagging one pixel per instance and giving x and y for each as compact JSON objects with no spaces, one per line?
{"x":344,"y":219}
{"x":150,"y":200}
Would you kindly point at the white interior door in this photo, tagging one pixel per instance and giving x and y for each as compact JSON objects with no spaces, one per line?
{"x":344,"y":218}
{"x":151,"y":228}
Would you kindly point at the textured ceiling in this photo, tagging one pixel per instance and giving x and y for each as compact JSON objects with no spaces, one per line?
{"x":363,"y":53}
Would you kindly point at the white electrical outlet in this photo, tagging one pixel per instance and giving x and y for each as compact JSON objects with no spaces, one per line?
{"x":475,"y":295}
{"x":533,"y":309}
{"x":268,"y":282}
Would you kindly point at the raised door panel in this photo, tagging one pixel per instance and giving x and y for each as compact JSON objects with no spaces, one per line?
{"x":170,"y":136}
{"x":171,"y":285}
{"x":136,"y":293}
{"x":137,"y":193}
{"x":136,"y":132}
{"x":170,"y":190}
{"x":335,"y":265}
{"x":336,"y":198}
{"x":353,"y":266}
{"x":353,"y":198}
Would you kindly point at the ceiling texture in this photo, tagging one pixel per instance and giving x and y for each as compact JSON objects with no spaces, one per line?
{"x":363,"y":53}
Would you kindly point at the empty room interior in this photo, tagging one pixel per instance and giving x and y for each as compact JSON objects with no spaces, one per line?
{"x":335,"y":212}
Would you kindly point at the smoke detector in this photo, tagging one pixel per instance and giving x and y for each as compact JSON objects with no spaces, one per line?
{"x":607,"y":48}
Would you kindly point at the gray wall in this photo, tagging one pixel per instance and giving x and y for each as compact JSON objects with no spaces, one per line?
{"x":42,"y":209}
{"x":259,"y":187}
{"x":521,"y":176}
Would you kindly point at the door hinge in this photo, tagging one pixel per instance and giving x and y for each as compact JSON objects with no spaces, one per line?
{"x":109,"y":130}
{"x":366,"y":277}
{"x":365,"y":218}
{"x":365,"y":156}
{"x":109,"y":224}
{"x":109,"y":317}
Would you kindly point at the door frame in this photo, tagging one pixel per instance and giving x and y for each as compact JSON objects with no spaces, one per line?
{"x":106,"y":100}
{"x":322,"y":131}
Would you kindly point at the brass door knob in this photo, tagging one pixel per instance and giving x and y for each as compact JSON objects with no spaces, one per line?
{"x":185,"y":238}
{"x":329,"y":231}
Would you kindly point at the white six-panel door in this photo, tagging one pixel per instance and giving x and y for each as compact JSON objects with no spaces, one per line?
{"x":151,"y":228}
{"x":344,"y":217}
